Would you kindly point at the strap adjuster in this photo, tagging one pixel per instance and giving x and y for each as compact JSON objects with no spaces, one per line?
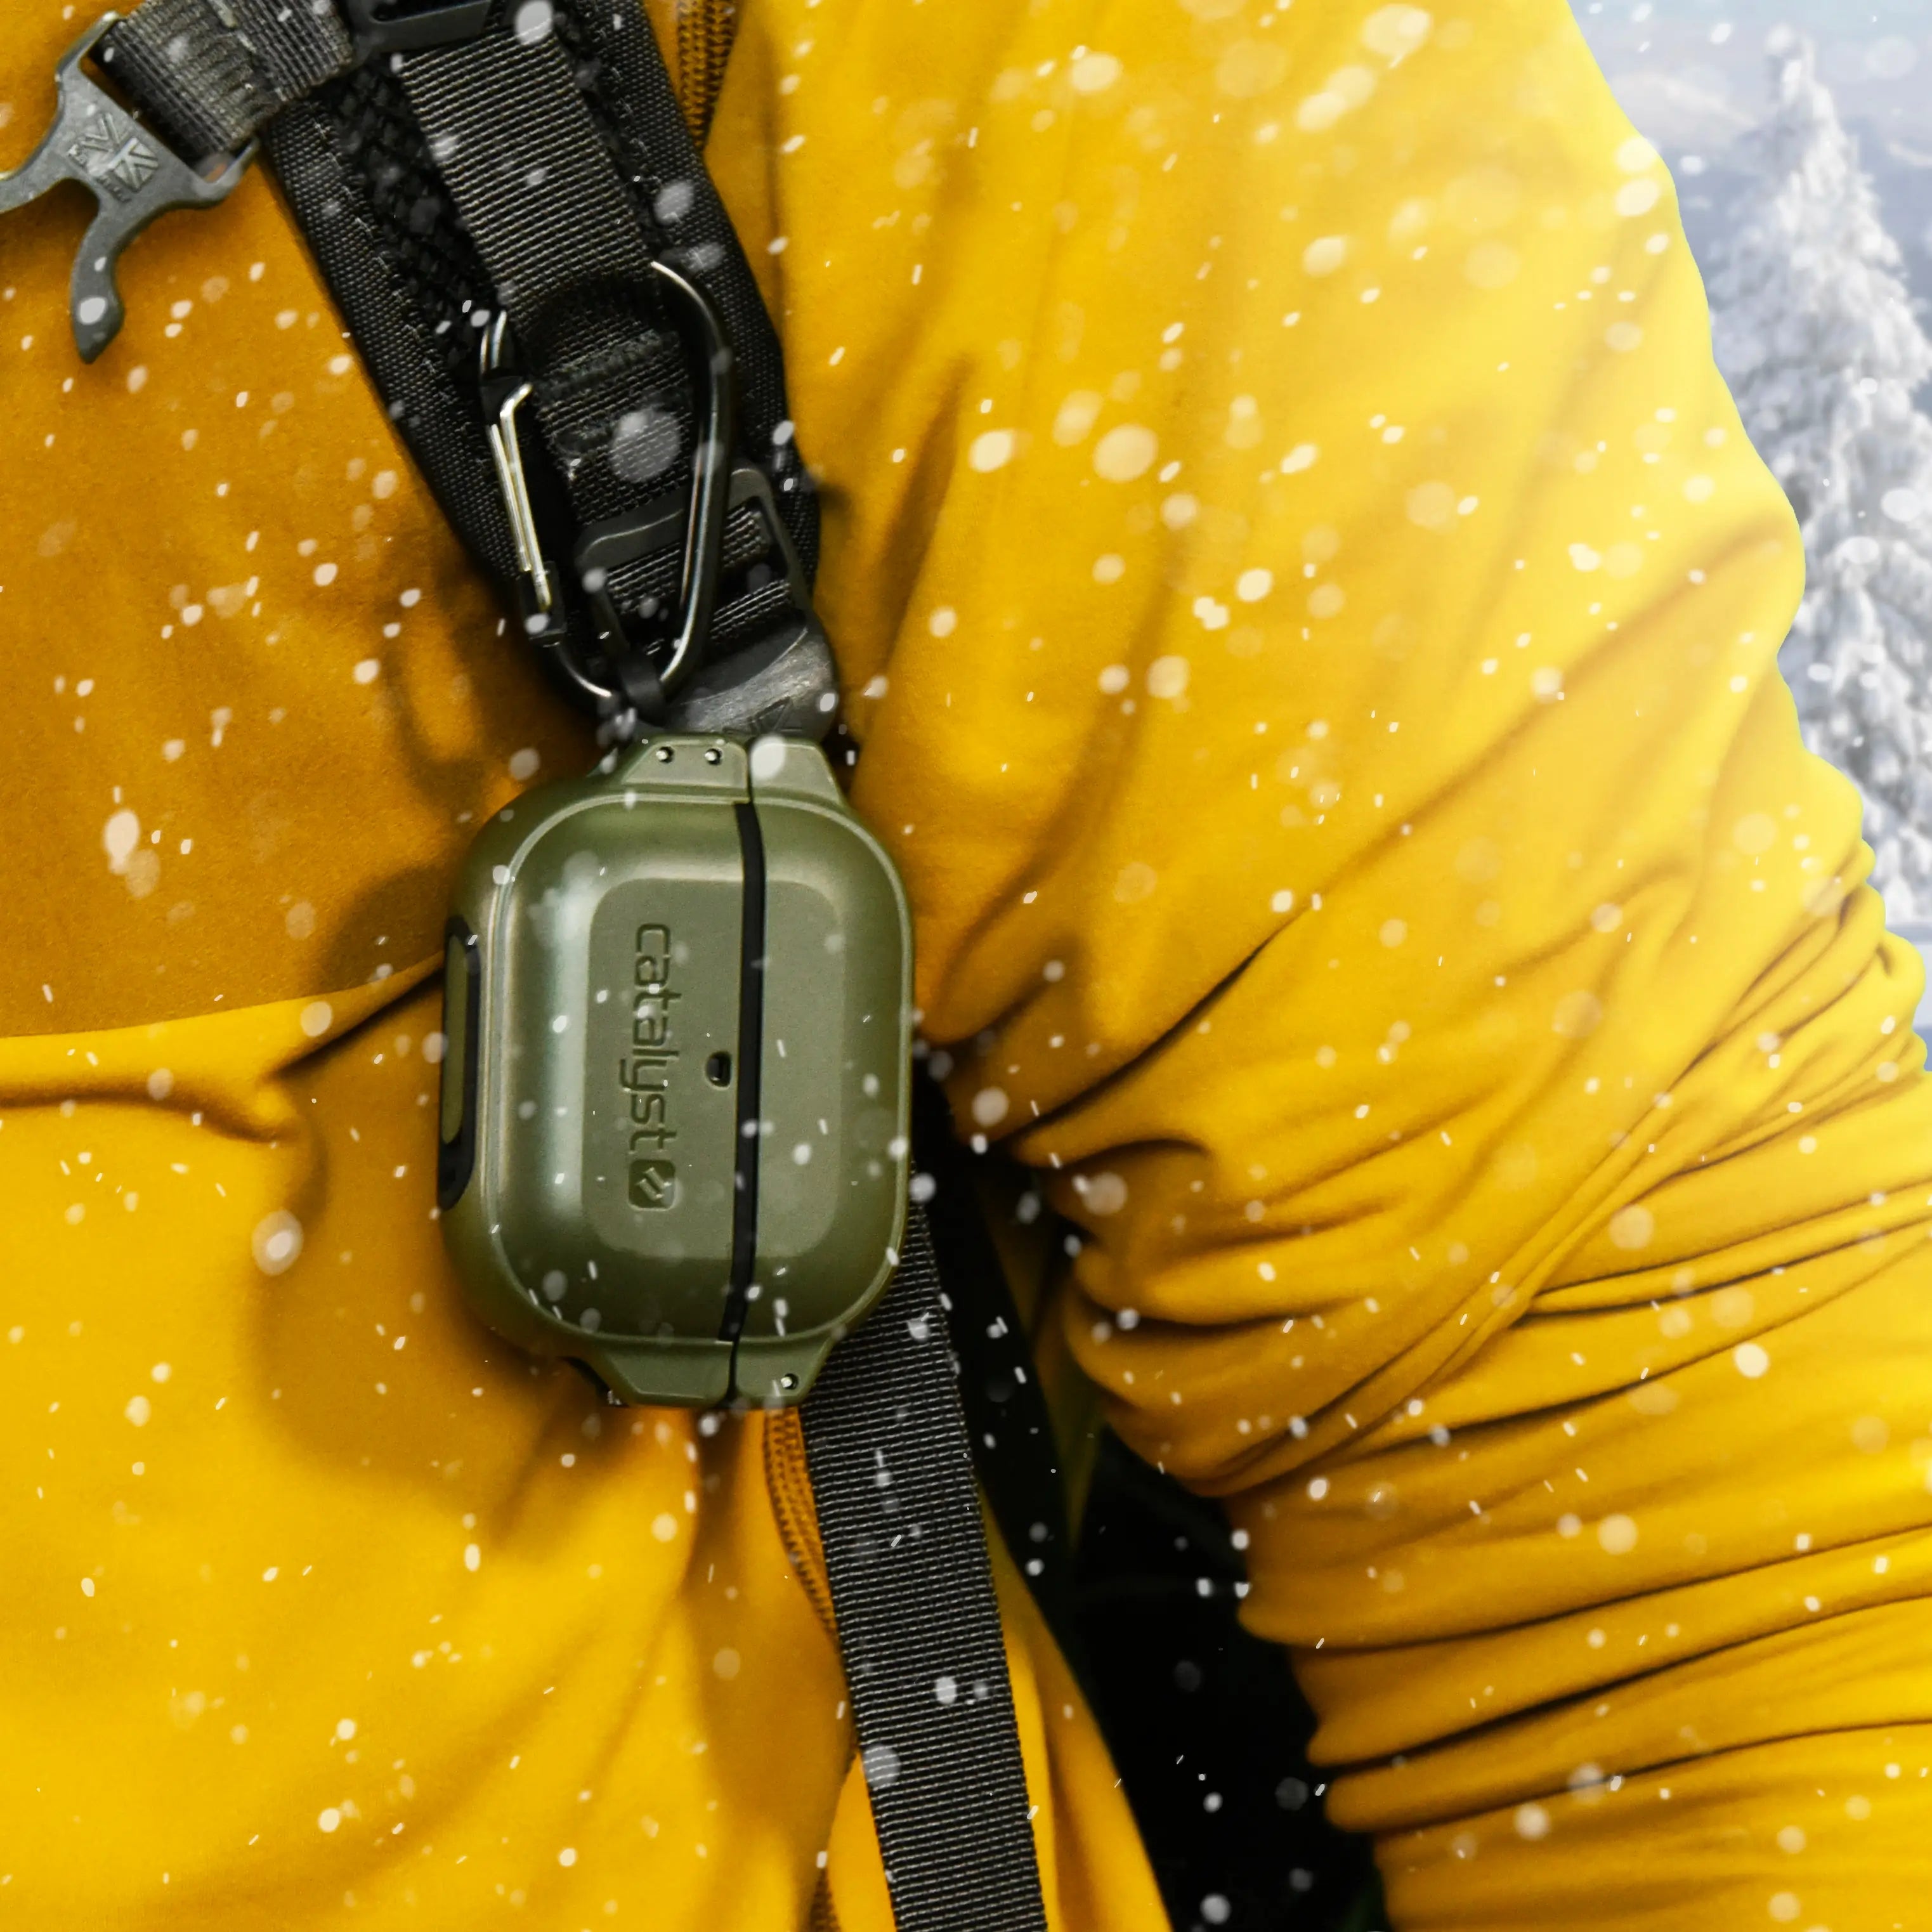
{"x":132,"y":173}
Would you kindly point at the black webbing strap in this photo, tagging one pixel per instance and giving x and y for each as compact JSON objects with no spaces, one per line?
{"x":918,"y":1627}
{"x":1014,"y":1446}
{"x":538,"y":192}
{"x":213,"y":73}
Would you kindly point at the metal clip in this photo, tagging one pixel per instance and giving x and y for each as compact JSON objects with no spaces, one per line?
{"x":504,"y":395}
{"x":133,"y":175}
{"x":640,"y":685}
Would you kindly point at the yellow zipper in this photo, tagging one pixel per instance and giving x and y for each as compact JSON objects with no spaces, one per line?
{"x":705,"y":31}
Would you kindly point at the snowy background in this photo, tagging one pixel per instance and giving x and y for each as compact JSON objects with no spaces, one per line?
{"x":1800,"y":135}
{"x":1691,"y":74}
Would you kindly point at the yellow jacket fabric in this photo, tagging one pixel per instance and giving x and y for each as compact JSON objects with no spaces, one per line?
{"x":1311,"y":612}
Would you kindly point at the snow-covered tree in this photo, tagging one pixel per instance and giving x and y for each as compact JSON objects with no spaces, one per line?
{"x":1816,"y":333}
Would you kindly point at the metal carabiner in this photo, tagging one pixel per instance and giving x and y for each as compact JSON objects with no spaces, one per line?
{"x":641,"y":686}
{"x":132,"y":173}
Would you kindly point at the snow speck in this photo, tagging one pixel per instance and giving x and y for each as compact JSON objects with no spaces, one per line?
{"x":87,"y":1586}
{"x":1902,"y":505}
{"x":328,"y":1819}
{"x":523,"y":764}
{"x":366,"y":671}
{"x":1076,"y":416}
{"x":1617,"y":1535}
{"x":1094,"y":74}
{"x":1784,"y":1907}
{"x":473,"y":1556}
{"x":943,"y":621}
{"x":138,"y":1410}
{"x":534,"y":21}
{"x":1167,"y":676}
{"x":1283,"y":901}
{"x":1578,"y":1014}
{"x":1394,"y":932}
{"x":990,"y":1106}
{"x":726,"y":1663}
{"x":160,"y":1372}
{"x":160,"y":1084}
{"x":1303,"y":456}
{"x":1252,"y":586}
{"x":1109,"y":569}
{"x":1323,"y":256}
{"x":568,"y":1856}
{"x":1103,"y":1193}
{"x":173,"y":747}
{"x":1396,"y":32}
{"x":119,"y":837}
{"x":325,"y":575}
{"x":663,"y":1526}
{"x":768,"y":758}
{"x":316,"y":1018}
{"x":991,"y":449}
{"x":1114,"y":679}
{"x":1638,"y":197}
{"x":1532,"y":1822}
{"x":1750,"y":1360}
{"x":1125,"y":451}
{"x":1432,"y":506}
{"x":881,"y":1764}
{"x":1585,"y":558}
{"x":1632,"y":1228}
{"x":276,"y":1242}
{"x":345,"y":1728}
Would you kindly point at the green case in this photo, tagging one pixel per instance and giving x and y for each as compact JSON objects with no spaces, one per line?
{"x":675,"y":1100}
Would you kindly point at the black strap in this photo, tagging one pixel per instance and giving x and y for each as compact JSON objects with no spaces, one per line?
{"x":213,"y":73}
{"x":919,"y":1626}
{"x":1014,"y":1446}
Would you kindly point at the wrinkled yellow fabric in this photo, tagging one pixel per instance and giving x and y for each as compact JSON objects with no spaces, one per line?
{"x":1311,"y":614}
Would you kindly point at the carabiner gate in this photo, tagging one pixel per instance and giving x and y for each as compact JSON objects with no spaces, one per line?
{"x":641,"y":687}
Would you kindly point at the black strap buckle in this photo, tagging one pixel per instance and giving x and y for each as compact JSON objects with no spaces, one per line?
{"x":132,"y":173}
{"x":384,"y":27}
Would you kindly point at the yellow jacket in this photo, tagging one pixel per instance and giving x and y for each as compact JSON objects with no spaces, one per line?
{"x":1311,"y":613}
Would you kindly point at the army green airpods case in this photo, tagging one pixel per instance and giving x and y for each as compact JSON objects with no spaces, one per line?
{"x":675,"y":1096}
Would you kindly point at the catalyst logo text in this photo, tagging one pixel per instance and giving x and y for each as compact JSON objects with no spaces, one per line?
{"x":645,"y":1072}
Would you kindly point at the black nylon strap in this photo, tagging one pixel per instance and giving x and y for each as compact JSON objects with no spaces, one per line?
{"x":214,"y":72}
{"x":919,"y":1625}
